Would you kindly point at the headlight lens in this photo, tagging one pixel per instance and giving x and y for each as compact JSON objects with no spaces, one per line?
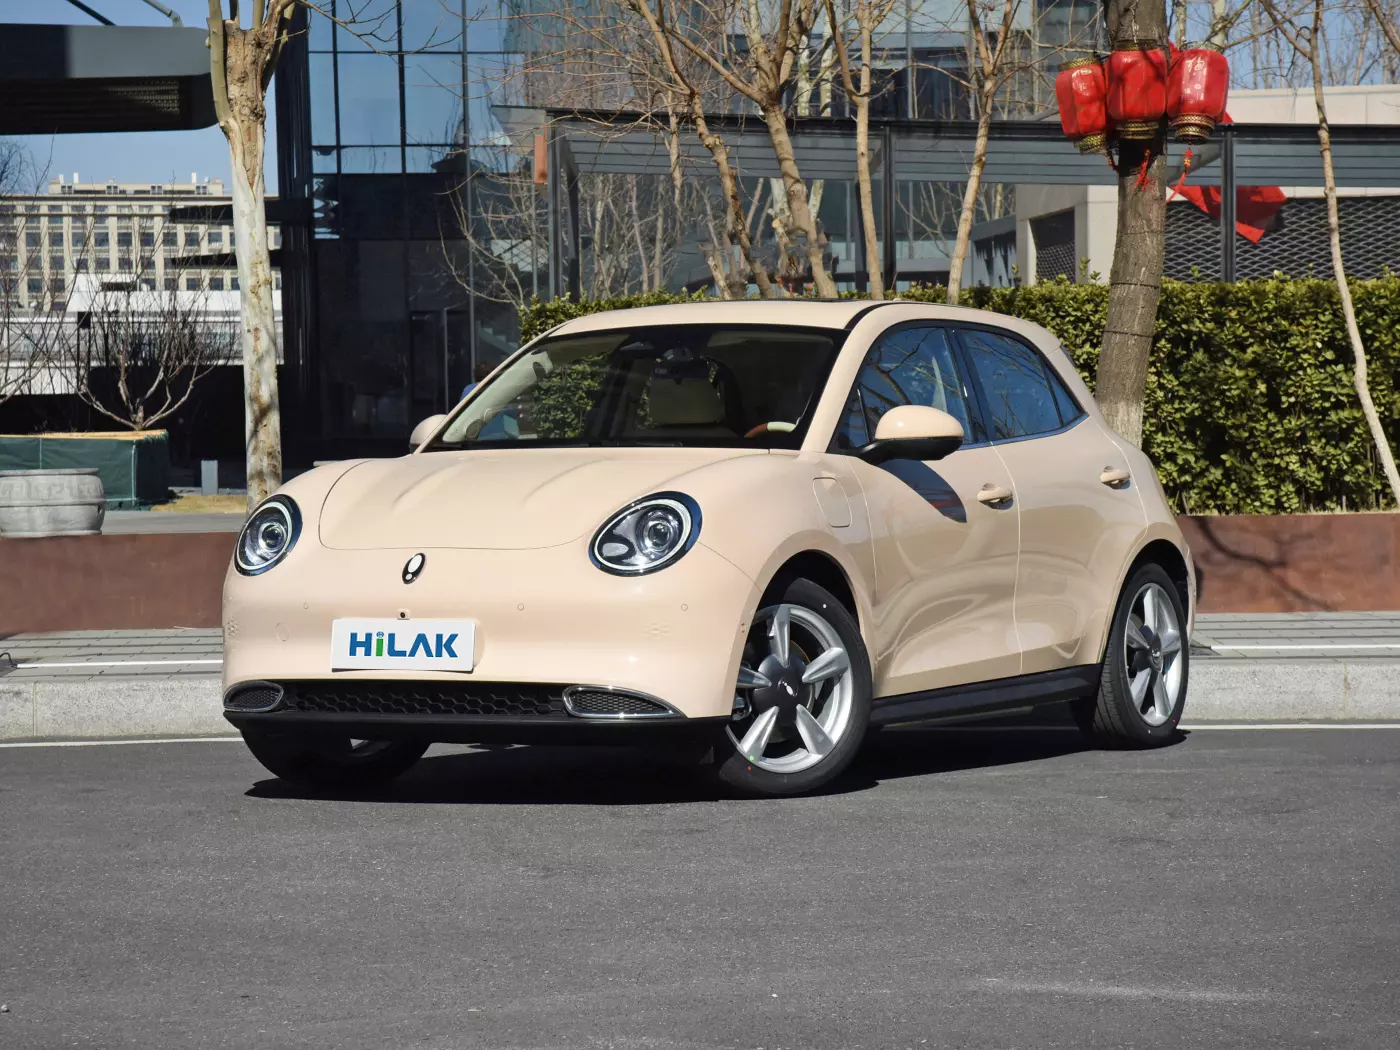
{"x":648,"y":535}
{"x":267,"y":536}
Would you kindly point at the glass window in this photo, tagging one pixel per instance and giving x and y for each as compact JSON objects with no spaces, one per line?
{"x":124,"y":264}
{"x":102,"y":264}
{"x":36,"y":286}
{"x":171,"y":284}
{"x":101,"y":239}
{"x":216,"y":236}
{"x":79,"y":238}
{"x":191,"y":284}
{"x":148,"y":283}
{"x":80,"y":265}
{"x":697,"y":385}
{"x":373,"y":25}
{"x":431,"y":24}
{"x":322,"y":74}
{"x":432,"y":88}
{"x":148,"y":239}
{"x":169,"y":239}
{"x":1064,"y":400}
{"x":371,"y":160}
{"x":1014,"y":382}
{"x":913,"y":366}
{"x":123,"y":238}
{"x":216,"y":284}
{"x":56,"y":263}
{"x":191,"y":238}
{"x":55,"y":238}
{"x":369,"y":100}
{"x":318,"y":30}
{"x":31,"y":239}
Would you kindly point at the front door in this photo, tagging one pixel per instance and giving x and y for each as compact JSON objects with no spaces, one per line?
{"x":945,"y":559}
{"x":1079,"y":517}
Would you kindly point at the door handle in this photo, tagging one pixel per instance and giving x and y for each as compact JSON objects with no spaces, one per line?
{"x":994,"y":495}
{"x":1115,"y":477}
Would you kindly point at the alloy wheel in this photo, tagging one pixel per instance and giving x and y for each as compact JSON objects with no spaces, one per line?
{"x":795,"y":690}
{"x":1152,"y":653}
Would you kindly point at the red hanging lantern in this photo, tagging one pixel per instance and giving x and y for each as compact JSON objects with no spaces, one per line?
{"x":1081,"y":89}
{"x":1197,"y":88}
{"x":1137,"y":88}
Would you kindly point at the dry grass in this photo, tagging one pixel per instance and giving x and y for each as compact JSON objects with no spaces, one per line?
{"x":196,"y":504}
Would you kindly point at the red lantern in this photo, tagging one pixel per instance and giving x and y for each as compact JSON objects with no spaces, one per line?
{"x":1081,"y":90}
{"x":1197,"y":88}
{"x":1137,"y":88}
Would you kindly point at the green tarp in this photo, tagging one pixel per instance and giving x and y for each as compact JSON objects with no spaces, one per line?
{"x":134,"y":467}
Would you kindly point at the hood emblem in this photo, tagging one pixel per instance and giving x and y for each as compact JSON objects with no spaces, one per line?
{"x":413,"y":568}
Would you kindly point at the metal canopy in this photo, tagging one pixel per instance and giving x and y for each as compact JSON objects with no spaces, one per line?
{"x":60,"y":79}
{"x":941,"y":151}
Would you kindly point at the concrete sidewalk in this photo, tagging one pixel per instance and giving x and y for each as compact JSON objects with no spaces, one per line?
{"x":1305,"y":667}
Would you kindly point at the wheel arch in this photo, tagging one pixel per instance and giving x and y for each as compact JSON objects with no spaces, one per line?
{"x":826,"y":571}
{"x":1171,"y":556}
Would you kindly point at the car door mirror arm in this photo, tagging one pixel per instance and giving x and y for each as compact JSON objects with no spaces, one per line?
{"x":923,"y":448}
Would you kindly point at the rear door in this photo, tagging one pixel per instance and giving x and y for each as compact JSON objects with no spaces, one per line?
{"x":945,"y":560}
{"x":1079,"y":511}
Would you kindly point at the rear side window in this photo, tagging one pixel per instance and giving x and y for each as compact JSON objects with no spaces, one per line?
{"x":1064,"y":400}
{"x":912,"y":366}
{"x":1014,"y":380}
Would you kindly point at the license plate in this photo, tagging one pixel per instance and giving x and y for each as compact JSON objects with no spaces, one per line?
{"x":402,"y":645}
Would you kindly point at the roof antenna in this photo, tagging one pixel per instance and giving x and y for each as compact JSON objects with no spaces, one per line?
{"x":174,"y":18}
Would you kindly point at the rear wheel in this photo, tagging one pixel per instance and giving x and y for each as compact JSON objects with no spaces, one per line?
{"x":1142,"y":687}
{"x":329,"y":761}
{"x":802,"y":699}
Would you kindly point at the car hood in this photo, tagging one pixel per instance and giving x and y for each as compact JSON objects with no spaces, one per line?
{"x":515,"y":499}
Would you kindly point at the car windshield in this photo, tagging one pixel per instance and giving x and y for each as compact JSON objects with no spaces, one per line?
{"x":682,"y":385}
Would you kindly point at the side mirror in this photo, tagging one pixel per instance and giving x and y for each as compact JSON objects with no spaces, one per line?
{"x":913,"y":432}
{"x":425,"y":430}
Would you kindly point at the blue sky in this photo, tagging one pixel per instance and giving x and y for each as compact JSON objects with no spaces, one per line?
{"x":135,"y":157}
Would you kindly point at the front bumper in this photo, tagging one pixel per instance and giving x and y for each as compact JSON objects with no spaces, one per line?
{"x":542,"y":616}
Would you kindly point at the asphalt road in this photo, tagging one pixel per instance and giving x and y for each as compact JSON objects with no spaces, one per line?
{"x":963,"y":889}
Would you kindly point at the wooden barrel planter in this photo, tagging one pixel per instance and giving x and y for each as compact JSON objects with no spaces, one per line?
{"x":51,"y":503}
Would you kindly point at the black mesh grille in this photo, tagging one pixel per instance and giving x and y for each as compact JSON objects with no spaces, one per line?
{"x":254,"y":698}
{"x":426,"y":698}
{"x":602,"y":702}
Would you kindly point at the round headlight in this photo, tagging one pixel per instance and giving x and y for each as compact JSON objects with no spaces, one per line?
{"x":648,"y":535}
{"x":267,"y":536}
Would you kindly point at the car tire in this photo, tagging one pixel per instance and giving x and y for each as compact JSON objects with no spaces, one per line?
{"x":1146,"y":650}
{"x":333,"y":762}
{"x":818,"y":620}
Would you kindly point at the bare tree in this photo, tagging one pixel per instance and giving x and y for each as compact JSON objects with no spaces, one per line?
{"x":242,"y":61}
{"x":869,"y":15}
{"x":136,"y":352}
{"x":1307,"y":42}
{"x":1135,"y":280}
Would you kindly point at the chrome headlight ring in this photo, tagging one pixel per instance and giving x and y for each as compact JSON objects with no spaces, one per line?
{"x":268,"y":535}
{"x":646,"y":535}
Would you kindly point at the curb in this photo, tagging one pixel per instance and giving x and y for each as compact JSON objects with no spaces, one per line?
{"x":189,"y":705}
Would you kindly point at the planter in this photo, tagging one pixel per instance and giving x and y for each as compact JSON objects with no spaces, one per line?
{"x":51,"y":503}
{"x":134,"y":465}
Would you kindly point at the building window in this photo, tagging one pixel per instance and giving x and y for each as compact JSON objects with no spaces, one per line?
{"x":123,"y":238}
{"x":56,"y":264}
{"x":147,"y":263}
{"x":147,"y":283}
{"x":31,"y":239}
{"x":169,"y":239}
{"x":102,"y":264}
{"x":80,"y":265}
{"x":12,"y":262}
{"x":191,"y":284}
{"x":148,"y":239}
{"x":232,"y":239}
{"x":277,"y":281}
{"x":172,"y":284}
{"x":216,"y":237}
{"x":233,"y":284}
{"x":100,"y":209}
{"x":216,"y":284}
{"x":79,"y":238}
{"x":124,"y":264}
{"x":36,"y":286}
{"x":191,"y":238}
{"x":57,"y":285}
{"x":101,"y":239}
{"x":55,"y":238}
{"x":55,"y":219}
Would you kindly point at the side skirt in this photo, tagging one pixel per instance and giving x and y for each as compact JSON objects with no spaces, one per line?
{"x":986,"y":698}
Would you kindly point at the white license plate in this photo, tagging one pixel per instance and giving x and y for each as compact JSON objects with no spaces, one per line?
{"x":402,"y":645}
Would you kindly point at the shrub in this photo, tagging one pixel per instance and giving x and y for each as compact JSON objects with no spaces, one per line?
{"x":1250,"y":407}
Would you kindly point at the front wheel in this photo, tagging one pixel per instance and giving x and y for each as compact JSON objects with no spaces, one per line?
{"x":1142,"y":687}
{"x":328,"y":761}
{"x":802,"y":699}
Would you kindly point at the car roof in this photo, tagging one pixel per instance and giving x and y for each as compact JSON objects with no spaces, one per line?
{"x":808,"y":313}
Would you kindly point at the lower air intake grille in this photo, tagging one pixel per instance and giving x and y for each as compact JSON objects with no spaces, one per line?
{"x":604,"y":703}
{"x":426,"y":698}
{"x":254,"y":698}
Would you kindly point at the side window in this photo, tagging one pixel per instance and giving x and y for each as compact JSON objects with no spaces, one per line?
{"x":1064,"y":400}
{"x":913,"y":366}
{"x":1020,"y":400}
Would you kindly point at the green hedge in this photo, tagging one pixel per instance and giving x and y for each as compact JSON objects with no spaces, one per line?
{"x":1250,"y":407}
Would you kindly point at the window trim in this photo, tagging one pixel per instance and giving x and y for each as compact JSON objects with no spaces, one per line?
{"x":972,"y":397}
{"x":984,"y":405}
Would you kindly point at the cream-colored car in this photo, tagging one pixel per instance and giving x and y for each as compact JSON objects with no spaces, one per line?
{"x":755,"y":529}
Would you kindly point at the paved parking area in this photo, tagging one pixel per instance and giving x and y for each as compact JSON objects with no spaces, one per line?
{"x":970,"y":888}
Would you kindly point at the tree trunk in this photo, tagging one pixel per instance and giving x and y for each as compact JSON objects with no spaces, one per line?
{"x":245,"y":129}
{"x":969,"y":203}
{"x":876,"y":275}
{"x":802,"y":216}
{"x":1334,"y":235}
{"x":738,"y":221}
{"x":1135,"y":281}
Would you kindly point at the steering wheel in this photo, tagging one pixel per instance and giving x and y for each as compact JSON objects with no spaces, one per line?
{"x":771,"y":427}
